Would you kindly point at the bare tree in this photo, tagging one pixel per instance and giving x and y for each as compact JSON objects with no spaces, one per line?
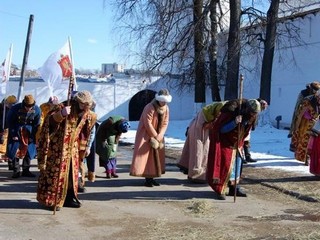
{"x":231,"y":90}
{"x":199,"y":56}
{"x":267,"y":61}
{"x":213,"y":49}
{"x":175,"y":39}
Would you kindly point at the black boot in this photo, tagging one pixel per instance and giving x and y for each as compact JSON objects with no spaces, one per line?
{"x":154,"y":183}
{"x":71,"y":201}
{"x":26,"y":173}
{"x":81,"y":188}
{"x":10,"y":164}
{"x":247,"y":154}
{"x":26,"y":167}
{"x":16,"y":168}
{"x":239,"y":193}
{"x":148,"y":182}
{"x":114,"y":175}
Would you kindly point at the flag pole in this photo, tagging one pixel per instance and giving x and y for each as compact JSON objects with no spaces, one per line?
{"x":238,"y":138}
{"x":72,"y":63}
{"x":8,"y":70}
{"x":25,"y":58}
{"x":70,"y":89}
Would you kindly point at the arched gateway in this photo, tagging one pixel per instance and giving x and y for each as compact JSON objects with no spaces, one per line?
{"x":138,"y":102}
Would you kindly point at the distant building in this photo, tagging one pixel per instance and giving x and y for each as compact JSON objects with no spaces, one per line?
{"x":107,"y":68}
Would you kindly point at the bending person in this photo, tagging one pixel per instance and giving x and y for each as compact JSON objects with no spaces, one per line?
{"x":194,"y":157}
{"x":226,"y":140}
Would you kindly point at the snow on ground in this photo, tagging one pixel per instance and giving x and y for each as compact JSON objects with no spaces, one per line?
{"x":269,"y":145}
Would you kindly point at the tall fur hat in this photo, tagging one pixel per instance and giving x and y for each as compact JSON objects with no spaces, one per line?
{"x":314,"y":86}
{"x":83,"y":97}
{"x":53,"y":99}
{"x":29,"y":101}
{"x":254,"y":105}
{"x":163,"y":96}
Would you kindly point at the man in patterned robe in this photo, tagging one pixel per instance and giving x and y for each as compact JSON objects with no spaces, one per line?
{"x":62,"y":144}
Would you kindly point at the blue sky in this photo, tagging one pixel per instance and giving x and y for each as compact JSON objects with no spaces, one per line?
{"x":88,"y":23}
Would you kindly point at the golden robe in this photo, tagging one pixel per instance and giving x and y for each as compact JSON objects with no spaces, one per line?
{"x":60,"y":145}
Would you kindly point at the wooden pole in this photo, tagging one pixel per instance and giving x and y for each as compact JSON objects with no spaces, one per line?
{"x":70,"y":89}
{"x":238,"y":138}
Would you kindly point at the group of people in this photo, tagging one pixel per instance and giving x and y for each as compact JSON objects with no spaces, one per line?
{"x":217,"y":144}
{"x":61,"y":137}
{"x":64,"y":136}
{"x":305,"y":127}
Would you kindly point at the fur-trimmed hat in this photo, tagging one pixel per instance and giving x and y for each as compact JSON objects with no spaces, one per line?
{"x":254,"y":105}
{"x":314,"y":86}
{"x":83,"y":97}
{"x":11,"y":99}
{"x":53,"y":99}
{"x":29,"y":101}
{"x":163,"y":96}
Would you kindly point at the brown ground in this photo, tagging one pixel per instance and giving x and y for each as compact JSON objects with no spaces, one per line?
{"x":280,"y":205}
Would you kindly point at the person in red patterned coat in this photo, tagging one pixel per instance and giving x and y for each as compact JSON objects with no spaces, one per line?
{"x":62,"y":144}
{"x":226,"y":141}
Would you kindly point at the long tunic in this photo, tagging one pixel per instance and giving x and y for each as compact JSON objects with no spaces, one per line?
{"x":223,"y":150}
{"x":195,"y":151}
{"x":307,"y":112}
{"x":144,"y":161}
{"x":60,"y":147}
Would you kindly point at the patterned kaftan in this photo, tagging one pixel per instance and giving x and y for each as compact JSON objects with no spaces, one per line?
{"x":59,"y":153}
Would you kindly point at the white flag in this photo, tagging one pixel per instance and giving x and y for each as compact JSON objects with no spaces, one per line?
{"x":5,"y":71}
{"x":58,"y":69}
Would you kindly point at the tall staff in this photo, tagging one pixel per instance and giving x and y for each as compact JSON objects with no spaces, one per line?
{"x":238,"y":137}
{"x":70,"y":90}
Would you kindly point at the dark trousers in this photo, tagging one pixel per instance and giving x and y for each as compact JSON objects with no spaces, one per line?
{"x":26,"y":162}
{"x":91,"y":158}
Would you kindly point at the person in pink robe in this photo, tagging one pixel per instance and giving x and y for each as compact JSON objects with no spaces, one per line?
{"x":149,"y":154}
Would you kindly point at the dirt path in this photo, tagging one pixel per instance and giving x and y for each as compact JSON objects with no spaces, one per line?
{"x":124,"y":209}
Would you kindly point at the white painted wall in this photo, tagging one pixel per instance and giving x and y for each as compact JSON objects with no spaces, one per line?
{"x":293,"y":68}
{"x":112,"y":98}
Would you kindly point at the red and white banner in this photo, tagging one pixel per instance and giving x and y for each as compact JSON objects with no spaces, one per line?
{"x":5,"y":71}
{"x":58,"y":68}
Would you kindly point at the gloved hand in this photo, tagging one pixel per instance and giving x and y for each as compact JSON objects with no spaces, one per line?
{"x":66,"y":111}
{"x":238,"y":119}
{"x":87,"y":152}
{"x":154,"y":143}
{"x":161,"y":145}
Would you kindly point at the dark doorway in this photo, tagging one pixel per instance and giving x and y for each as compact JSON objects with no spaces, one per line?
{"x":138,"y":102}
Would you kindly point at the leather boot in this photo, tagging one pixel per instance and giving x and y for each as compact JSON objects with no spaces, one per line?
{"x":247,"y":154}
{"x":71,"y":201}
{"x":81,"y":188}
{"x":148,"y":182}
{"x":16,"y":168}
{"x":221,"y":196}
{"x":114,"y":175}
{"x":91,"y":176}
{"x":239,"y":193}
